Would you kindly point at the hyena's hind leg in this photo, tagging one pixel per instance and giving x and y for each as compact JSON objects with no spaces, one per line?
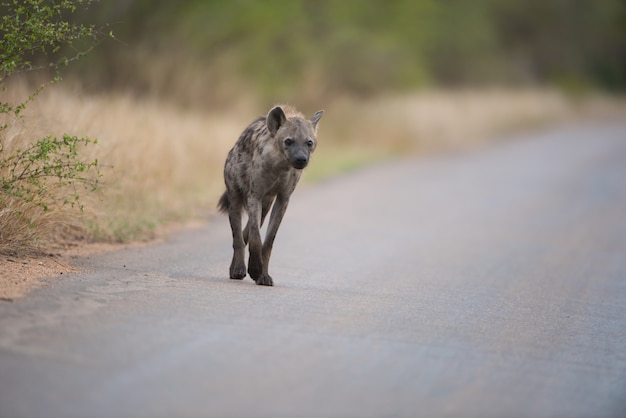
{"x":238,"y":264}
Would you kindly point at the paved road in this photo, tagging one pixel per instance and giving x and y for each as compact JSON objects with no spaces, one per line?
{"x":488,"y":284}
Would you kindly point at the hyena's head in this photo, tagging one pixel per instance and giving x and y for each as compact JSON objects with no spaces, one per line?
{"x":295,"y":136}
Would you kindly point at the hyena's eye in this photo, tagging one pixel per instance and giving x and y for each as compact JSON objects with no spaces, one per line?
{"x":309,"y":143}
{"x":288,"y":142}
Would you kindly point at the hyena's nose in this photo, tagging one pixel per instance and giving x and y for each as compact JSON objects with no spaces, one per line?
{"x":300,"y":162}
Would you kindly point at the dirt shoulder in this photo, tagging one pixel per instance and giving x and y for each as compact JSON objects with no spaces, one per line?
{"x":20,"y":275}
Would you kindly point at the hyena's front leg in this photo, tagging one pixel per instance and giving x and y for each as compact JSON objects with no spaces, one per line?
{"x":255,"y":262}
{"x":238,"y":264}
{"x":275,"y":219}
{"x":265,"y":207}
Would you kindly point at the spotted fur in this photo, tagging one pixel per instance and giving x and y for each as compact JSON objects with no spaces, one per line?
{"x":261,"y":171}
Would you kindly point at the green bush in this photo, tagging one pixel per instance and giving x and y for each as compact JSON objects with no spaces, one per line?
{"x":45,"y":166}
{"x":40,"y":172}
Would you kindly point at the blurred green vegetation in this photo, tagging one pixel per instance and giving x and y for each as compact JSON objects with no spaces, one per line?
{"x":209,"y":51}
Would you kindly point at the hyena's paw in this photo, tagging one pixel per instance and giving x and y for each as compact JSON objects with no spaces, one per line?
{"x":264,"y":280}
{"x":237,"y":271}
{"x":255,"y":268}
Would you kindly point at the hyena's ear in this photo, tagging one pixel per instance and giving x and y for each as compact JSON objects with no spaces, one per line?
{"x":275,"y":119}
{"x":316,"y":118}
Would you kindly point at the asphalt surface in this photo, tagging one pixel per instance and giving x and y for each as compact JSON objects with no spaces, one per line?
{"x":482,"y":284}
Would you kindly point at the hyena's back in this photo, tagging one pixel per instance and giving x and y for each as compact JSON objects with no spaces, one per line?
{"x":239,"y":161}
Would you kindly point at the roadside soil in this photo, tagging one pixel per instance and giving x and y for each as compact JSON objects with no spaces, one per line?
{"x":22,"y":274}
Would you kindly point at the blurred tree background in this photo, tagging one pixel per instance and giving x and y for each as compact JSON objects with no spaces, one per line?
{"x":209,"y":52}
{"x":170,"y":91}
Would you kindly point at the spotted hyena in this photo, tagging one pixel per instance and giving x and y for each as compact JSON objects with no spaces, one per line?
{"x":262,"y":169}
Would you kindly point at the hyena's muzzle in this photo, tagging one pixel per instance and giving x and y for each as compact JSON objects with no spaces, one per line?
{"x":298,"y":152}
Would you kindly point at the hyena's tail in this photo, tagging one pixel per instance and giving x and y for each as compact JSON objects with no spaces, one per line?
{"x":224,"y":204}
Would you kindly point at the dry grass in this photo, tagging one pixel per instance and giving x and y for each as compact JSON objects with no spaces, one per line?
{"x":436,"y":120}
{"x":159,"y":163}
{"x":163,"y":164}
{"x":27,"y":229}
